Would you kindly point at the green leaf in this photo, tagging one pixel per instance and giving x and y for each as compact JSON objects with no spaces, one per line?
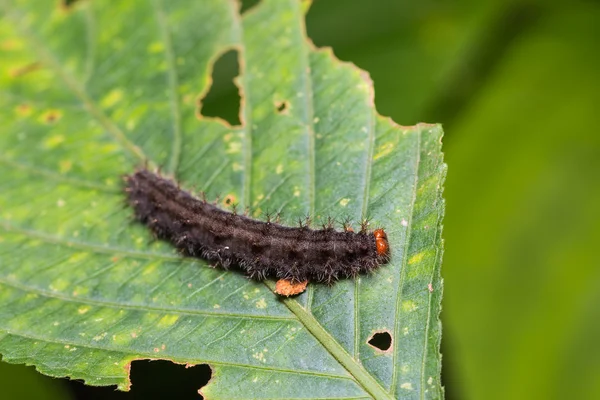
{"x":93,"y":91}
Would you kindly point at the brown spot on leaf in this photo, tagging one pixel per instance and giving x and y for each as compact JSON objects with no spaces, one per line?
{"x":51,"y":116}
{"x":23,"y":110}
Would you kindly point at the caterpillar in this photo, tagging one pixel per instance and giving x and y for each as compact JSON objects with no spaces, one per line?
{"x":260,"y":249}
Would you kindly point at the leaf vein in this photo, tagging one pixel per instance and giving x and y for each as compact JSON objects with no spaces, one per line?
{"x":433,"y":271}
{"x":55,"y":176}
{"x":172,"y":81}
{"x":405,"y":261}
{"x":132,"y":306}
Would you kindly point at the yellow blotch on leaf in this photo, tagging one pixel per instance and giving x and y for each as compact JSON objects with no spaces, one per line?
{"x":11,"y":45}
{"x":409,"y":305}
{"x":50,"y":116}
{"x":83,"y":309}
{"x":80,"y":290}
{"x":59,"y":285}
{"x":417,"y":258}
{"x":112,"y":98}
{"x":54,"y":141}
{"x":167,"y":320}
{"x":23,"y":110}
{"x":383,"y":150}
{"x":130,"y":124}
{"x":237,"y":167}
{"x":78,"y":257}
{"x":261,"y":303}
{"x":121,"y":339}
{"x":234,"y":148}
{"x":156,"y":47}
{"x":65,"y":166}
{"x":149,"y":269}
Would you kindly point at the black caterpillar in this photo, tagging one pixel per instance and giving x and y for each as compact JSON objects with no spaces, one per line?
{"x":260,"y":249}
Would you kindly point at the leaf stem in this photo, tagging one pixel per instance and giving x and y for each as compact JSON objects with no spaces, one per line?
{"x":366,"y":380}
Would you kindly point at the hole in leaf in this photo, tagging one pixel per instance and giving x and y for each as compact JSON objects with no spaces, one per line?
{"x":24,"y":110}
{"x":51,"y":116}
{"x":229,"y":200}
{"x":223,"y":98}
{"x":69,"y":3}
{"x":152,"y":379}
{"x":381,"y":340}
{"x":247,"y":5}
{"x":282,"y":107}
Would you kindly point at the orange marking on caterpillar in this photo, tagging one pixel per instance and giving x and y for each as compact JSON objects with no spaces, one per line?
{"x":381,"y":242}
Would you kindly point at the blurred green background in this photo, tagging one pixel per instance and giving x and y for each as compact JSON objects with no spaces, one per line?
{"x":516,"y":85}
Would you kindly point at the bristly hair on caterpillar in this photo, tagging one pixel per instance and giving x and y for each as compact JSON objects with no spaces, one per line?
{"x":260,"y":249}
